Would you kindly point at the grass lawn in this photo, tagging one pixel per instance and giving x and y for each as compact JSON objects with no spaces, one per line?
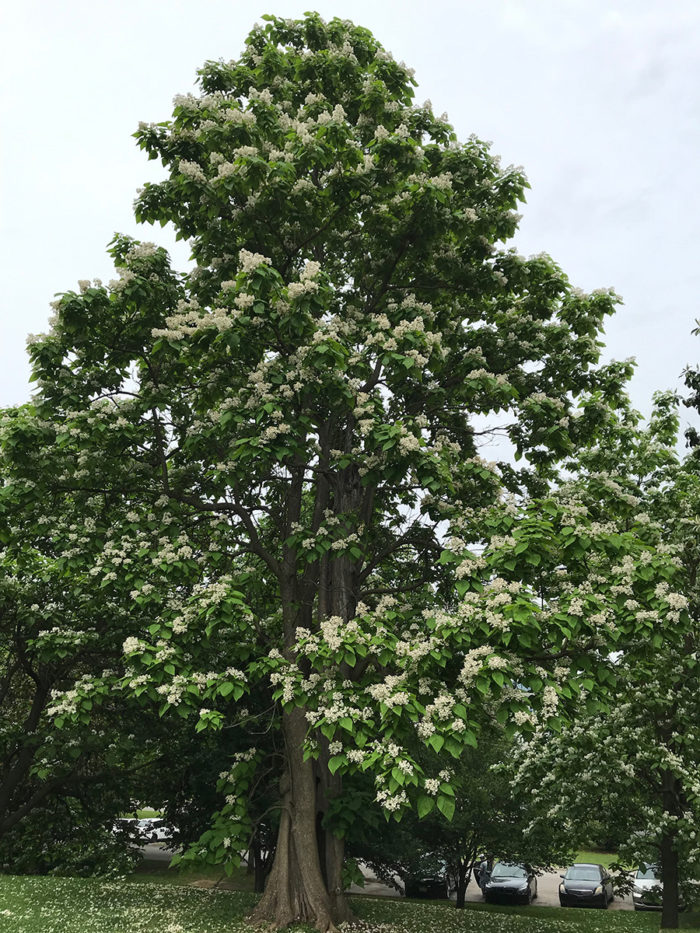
{"x":79,"y":905}
{"x":596,"y":858}
{"x":150,"y":870}
{"x":141,"y":814}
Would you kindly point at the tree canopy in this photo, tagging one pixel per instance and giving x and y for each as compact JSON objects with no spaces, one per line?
{"x":285,"y":440}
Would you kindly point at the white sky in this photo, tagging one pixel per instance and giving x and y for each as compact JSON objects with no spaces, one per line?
{"x":599,"y":101}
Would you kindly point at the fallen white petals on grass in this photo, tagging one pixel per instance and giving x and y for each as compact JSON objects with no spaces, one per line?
{"x":88,"y":905}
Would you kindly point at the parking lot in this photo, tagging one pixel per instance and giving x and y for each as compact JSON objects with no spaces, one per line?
{"x":547,"y":884}
{"x":547,"y":892}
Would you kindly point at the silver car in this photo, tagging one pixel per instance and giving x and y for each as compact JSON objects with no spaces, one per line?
{"x":647,"y":889}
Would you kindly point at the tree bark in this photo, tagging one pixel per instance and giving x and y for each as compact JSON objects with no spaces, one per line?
{"x":331,"y":848}
{"x":296,"y":891}
{"x":669,"y":879}
{"x":669,"y":859}
{"x":461,"y":889}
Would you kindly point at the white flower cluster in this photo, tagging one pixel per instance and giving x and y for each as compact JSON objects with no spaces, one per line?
{"x":192,"y":171}
{"x":132,"y":645}
{"x":473,"y":663}
{"x":249,"y":262}
{"x":390,"y":802}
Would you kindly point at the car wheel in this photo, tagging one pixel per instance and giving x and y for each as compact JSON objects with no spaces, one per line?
{"x":605,"y":903}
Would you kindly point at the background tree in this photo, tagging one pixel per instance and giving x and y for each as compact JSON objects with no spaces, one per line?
{"x":303,"y":409}
{"x":647,"y":737}
{"x":60,"y":789}
{"x":489,"y":818}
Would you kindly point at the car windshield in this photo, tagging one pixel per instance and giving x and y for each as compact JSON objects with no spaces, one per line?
{"x":583,"y":873}
{"x":504,"y":870}
{"x":651,"y":874}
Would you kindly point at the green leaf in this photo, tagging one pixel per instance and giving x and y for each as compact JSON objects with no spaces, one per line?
{"x":446,"y":806}
{"x":335,"y":762}
{"x":425,"y":805}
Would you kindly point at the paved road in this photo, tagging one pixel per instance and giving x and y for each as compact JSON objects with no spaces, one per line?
{"x":156,"y":852}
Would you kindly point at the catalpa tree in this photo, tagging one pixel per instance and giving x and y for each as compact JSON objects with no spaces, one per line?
{"x":60,"y":780}
{"x":292,"y":427}
{"x":648,"y":740}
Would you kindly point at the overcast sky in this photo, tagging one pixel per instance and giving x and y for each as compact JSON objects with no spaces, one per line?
{"x":599,"y":101}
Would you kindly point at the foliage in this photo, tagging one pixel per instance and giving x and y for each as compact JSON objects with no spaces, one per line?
{"x":489,"y":818}
{"x":647,"y":741}
{"x":284,"y":435}
{"x":62,"y":837}
{"x":60,"y":788}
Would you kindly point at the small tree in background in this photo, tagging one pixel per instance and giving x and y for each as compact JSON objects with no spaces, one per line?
{"x":489,"y":819}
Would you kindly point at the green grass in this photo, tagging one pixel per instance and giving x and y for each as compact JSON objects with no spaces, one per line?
{"x":597,"y":858}
{"x":150,"y":870}
{"x":80,"y":905}
{"x":141,"y":814}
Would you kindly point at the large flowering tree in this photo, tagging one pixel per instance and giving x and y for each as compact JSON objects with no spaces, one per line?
{"x":288,"y":434}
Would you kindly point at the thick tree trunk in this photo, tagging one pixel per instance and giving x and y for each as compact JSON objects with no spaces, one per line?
{"x":296,"y":891}
{"x":330,"y":847}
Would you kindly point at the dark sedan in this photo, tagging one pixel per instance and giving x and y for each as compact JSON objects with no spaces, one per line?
{"x":586,"y":885}
{"x":510,"y":882}
{"x":434,"y":887}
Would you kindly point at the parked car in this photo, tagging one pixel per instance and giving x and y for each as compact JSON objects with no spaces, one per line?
{"x":586,"y":885}
{"x":647,"y":888}
{"x":144,"y":830}
{"x":434,"y":887}
{"x":432,"y":882}
{"x":510,"y":881}
{"x":154,"y":829}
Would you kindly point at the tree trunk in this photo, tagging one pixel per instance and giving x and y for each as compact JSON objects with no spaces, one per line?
{"x":465,"y":867}
{"x":464,"y":873}
{"x":669,"y":880}
{"x":296,"y":891}
{"x":257,"y":865}
{"x":461,"y":889}
{"x":669,"y":856}
{"x":330,"y":847}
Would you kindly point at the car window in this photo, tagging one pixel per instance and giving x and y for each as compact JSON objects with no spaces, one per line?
{"x":505,"y":870}
{"x":651,"y":874}
{"x":583,"y":873}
